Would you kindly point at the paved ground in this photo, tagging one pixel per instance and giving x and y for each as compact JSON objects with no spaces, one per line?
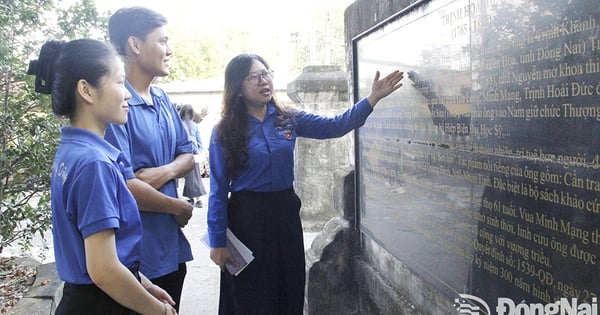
{"x":201,"y":287}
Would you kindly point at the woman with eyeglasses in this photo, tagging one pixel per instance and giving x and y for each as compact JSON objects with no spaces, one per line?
{"x":251,"y":156}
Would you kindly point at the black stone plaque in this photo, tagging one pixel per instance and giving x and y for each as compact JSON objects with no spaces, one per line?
{"x":482,"y":173}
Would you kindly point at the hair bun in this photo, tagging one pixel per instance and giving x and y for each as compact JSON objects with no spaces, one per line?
{"x":43,"y":67}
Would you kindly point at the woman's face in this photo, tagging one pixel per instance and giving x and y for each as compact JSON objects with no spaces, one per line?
{"x":257,"y":86}
{"x":111,"y":97}
{"x":155,"y":52}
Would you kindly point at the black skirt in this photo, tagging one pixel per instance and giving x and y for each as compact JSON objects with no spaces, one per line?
{"x":273,"y":283}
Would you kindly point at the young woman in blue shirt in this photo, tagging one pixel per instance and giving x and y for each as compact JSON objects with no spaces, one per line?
{"x":251,"y":185}
{"x":95,"y":220}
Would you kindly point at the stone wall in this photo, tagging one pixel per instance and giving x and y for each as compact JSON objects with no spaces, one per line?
{"x":44,"y":294}
{"x":320,"y":90}
{"x":457,"y":169}
{"x":347,"y":272}
{"x":385,"y":284}
{"x":331,"y":287}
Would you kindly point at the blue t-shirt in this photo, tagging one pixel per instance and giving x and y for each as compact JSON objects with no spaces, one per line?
{"x":154,"y":135}
{"x":89,"y":194}
{"x":270,"y":157}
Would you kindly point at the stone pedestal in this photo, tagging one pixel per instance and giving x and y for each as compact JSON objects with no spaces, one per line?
{"x":331,"y":288}
{"x":320,"y":90}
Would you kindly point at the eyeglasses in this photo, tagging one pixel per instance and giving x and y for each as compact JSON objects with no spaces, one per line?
{"x":255,"y":77}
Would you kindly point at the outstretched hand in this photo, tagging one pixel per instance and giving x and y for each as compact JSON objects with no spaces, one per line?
{"x":385,"y":86}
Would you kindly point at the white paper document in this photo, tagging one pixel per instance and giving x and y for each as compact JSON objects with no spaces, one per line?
{"x":240,"y":252}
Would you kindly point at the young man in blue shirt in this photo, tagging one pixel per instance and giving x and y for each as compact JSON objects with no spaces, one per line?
{"x":156,"y":146}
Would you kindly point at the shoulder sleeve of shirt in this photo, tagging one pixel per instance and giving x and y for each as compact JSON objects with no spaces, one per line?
{"x":95,"y":199}
{"x":118,"y":136}
{"x":218,"y":194}
{"x":323,"y":127}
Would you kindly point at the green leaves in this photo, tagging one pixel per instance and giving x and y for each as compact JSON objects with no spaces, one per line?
{"x":83,"y":20}
{"x":29,"y":132}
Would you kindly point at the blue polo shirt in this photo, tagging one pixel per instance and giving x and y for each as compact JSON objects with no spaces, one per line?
{"x":154,"y":136}
{"x":270,"y":157}
{"x":89,"y":194}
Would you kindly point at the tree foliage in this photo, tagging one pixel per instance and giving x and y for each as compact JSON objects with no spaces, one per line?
{"x":323,"y":42}
{"x":29,"y":133}
{"x":195,"y":56}
{"x":289,"y":46}
{"x":82,"y":20}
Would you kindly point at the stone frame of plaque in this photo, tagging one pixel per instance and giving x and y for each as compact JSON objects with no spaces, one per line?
{"x":482,"y":173}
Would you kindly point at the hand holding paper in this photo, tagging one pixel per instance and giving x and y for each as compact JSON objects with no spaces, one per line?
{"x":239,"y":252}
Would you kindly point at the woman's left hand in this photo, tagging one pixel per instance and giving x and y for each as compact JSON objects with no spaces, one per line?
{"x":160,"y":294}
{"x":156,"y":291}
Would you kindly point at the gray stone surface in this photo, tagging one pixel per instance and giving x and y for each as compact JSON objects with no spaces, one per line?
{"x":331,"y":287}
{"x":344,"y":200}
{"x":387,"y":286}
{"x":320,"y":90}
{"x":42,"y":296}
{"x":323,"y":85}
{"x":378,"y":296}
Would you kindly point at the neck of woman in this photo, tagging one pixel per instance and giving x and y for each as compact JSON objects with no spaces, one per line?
{"x":258,"y":111}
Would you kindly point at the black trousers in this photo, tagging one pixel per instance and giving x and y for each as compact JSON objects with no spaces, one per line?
{"x":173,"y":283}
{"x":273,"y":284}
{"x":90,"y":299}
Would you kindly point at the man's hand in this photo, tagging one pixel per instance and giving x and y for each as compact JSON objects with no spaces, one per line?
{"x":182,"y":211}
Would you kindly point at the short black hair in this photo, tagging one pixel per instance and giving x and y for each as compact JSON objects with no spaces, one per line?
{"x":133,"y":21}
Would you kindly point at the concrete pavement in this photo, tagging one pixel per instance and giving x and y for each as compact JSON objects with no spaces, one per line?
{"x":201,"y":287}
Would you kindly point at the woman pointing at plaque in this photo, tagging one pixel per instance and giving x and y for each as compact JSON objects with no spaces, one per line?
{"x":251,"y":185}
